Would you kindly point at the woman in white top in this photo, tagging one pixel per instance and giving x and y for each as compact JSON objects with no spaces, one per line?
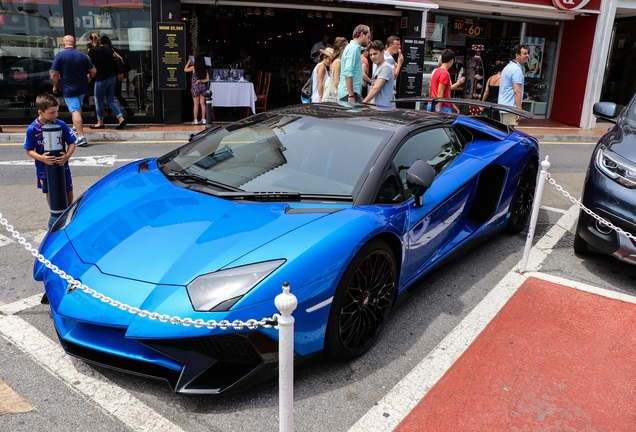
{"x":320,"y":74}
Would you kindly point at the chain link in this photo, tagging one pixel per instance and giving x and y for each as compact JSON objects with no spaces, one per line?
{"x":74,"y":284}
{"x":603,"y":221}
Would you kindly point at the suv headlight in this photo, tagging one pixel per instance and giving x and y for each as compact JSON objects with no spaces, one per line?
{"x":219,"y":291}
{"x":617,"y":168}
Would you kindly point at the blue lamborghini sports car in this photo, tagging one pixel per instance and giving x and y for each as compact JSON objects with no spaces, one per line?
{"x":350,"y":205}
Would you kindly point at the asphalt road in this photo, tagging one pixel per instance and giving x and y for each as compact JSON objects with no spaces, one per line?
{"x":68,"y":394}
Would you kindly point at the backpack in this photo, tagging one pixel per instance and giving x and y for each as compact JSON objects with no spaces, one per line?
{"x":307,"y":90}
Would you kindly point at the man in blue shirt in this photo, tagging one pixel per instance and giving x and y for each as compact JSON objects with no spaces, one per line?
{"x":350,"y":85}
{"x":73,"y":70}
{"x":511,"y":85}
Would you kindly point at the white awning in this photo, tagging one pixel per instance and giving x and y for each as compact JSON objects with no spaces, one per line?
{"x":420,"y":5}
{"x":384,"y":7}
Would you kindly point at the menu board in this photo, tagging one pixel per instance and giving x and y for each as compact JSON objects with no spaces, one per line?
{"x":412,"y":68}
{"x":171,"y":57}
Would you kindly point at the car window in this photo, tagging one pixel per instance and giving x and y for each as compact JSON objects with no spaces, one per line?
{"x":285,"y":154}
{"x":438,"y":147}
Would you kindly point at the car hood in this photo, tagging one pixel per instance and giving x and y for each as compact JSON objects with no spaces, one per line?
{"x":143,"y":227}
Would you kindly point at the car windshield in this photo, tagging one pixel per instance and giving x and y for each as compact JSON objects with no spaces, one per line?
{"x":282,"y":153}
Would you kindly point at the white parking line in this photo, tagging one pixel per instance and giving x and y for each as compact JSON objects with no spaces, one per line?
{"x":4,"y":240}
{"x":78,"y":376}
{"x":387,"y":414}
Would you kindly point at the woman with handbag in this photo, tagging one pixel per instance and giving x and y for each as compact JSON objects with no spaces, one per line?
{"x":125,"y":66}
{"x":331,"y":86}
{"x":105,"y":81}
{"x":320,"y":74}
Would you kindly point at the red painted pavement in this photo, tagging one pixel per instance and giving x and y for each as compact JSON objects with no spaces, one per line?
{"x":553,"y":359}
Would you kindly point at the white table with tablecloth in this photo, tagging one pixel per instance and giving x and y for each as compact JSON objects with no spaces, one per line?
{"x":233,"y":94}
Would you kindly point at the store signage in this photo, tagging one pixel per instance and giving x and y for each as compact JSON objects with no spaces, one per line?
{"x":570,"y":4}
{"x":171,"y":56}
{"x":410,"y":82}
{"x":468,"y":27}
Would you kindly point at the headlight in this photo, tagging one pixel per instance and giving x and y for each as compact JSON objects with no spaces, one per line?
{"x":616,"y":167}
{"x":217,"y":292}
{"x":68,"y":215}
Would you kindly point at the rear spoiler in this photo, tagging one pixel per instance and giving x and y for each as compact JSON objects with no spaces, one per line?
{"x":488,"y":106}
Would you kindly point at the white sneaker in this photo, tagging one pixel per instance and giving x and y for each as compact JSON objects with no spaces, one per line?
{"x":204,"y":121}
{"x":195,"y":122}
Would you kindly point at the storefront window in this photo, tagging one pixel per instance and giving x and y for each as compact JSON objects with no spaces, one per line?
{"x":479,"y":42}
{"x":28,"y":36}
{"x":31,"y":33}
{"x":128,"y":26}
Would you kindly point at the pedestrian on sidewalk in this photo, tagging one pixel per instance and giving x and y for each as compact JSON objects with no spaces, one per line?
{"x":123,"y":103}
{"x":200,"y":79}
{"x":511,"y":86}
{"x":381,"y":93}
{"x":71,"y":72}
{"x":491,"y":92}
{"x":48,"y":108}
{"x":350,"y":85}
{"x":441,"y":85}
{"x":105,"y":81}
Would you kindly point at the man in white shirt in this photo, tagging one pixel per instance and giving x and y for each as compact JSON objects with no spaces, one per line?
{"x":319,"y":46}
{"x":392,"y":48}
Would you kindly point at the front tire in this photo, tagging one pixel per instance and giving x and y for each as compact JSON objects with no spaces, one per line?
{"x":580,"y":245}
{"x":363,"y":300}
{"x":524,"y":198}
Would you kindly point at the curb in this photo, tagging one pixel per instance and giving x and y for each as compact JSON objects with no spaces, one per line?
{"x":149,"y":136}
{"x":114,"y":136}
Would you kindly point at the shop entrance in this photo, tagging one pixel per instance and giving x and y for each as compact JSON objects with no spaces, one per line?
{"x":275,"y":40}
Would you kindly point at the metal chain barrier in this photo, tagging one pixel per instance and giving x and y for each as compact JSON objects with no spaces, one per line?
{"x":576,"y":202}
{"x":251,"y":324}
{"x":543,"y":176}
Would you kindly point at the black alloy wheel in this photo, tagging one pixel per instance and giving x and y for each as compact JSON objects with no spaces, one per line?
{"x":524,"y":198}
{"x":362,"y":302}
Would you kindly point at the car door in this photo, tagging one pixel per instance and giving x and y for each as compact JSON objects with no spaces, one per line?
{"x":442,"y":217}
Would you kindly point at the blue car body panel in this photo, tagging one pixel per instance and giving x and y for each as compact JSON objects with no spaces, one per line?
{"x":140,"y":238}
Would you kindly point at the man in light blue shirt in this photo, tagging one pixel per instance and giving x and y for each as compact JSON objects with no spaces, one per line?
{"x":350,"y":85}
{"x":511,"y":86}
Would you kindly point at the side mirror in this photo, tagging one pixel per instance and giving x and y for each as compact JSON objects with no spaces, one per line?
{"x":419,"y":177}
{"x":605,"y":111}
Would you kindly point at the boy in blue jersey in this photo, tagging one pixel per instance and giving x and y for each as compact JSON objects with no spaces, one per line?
{"x":48,"y":107}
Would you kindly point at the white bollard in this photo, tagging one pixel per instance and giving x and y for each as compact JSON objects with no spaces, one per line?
{"x":536,"y":205}
{"x":286,"y":303}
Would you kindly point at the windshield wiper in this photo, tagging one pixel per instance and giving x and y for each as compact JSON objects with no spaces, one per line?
{"x":282,"y":196}
{"x":184,"y":175}
{"x":262,"y":196}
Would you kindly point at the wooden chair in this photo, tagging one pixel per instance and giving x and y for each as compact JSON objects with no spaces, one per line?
{"x":259,"y":82}
{"x":261,"y":97}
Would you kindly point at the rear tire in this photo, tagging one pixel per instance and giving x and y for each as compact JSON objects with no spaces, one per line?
{"x":524,"y":198}
{"x":363,"y":301}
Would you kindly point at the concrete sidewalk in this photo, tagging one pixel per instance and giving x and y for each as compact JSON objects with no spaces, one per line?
{"x":543,"y":130}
